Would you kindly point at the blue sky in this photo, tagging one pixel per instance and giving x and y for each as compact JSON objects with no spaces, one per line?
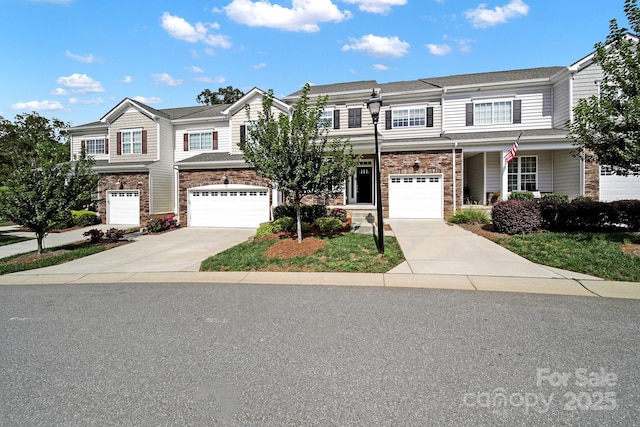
{"x":76,"y":59}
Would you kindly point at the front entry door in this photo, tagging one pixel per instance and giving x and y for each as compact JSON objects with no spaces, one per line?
{"x":364,"y":182}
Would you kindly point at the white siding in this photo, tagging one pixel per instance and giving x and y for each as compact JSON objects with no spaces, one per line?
{"x":224,"y":138}
{"x":545,"y":170}
{"x":561,"y":104}
{"x":407,"y":132}
{"x":133,"y":119}
{"x":584,"y":82}
{"x":493,"y":172}
{"x":537,"y":110}
{"x":76,"y":143}
{"x":566,"y":173}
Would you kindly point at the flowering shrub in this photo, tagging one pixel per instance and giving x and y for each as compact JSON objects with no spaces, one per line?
{"x":94,"y":235}
{"x":114,"y":234}
{"x":339,"y":213}
{"x":158,"y":225}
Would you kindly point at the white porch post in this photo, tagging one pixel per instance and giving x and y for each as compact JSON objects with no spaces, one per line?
{"x":504,"y":181}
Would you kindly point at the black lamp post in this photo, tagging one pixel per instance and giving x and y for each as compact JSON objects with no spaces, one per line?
{"x":374,"y":104}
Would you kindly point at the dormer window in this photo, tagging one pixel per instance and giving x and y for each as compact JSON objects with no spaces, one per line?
{"x":132,"y":141}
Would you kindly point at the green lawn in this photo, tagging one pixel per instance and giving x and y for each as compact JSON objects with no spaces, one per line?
{"x":72,"y":252}
{"x":6,"y":239}
{"x":596,"y":254}
{"x":348,"y":253}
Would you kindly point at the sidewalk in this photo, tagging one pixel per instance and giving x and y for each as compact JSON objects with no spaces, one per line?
{"x":439,"y":256}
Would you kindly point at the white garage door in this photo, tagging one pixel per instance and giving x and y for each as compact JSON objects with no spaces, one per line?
{"x":123,"y":207}
{"x":237,"y":207}
{"x":415,"y":196}
{"x":618,"y":187}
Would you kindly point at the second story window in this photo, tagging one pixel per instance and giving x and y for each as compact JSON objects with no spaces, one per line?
{"x":132,"y":142}
{"x":326,"y":119}
{"x":494,"y":112}
{"x":409,"y":117}
{"x":201,"y":141}
{"x":94,"y":146}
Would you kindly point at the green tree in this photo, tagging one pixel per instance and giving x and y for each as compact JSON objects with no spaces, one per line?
{"x":295,"y":152}
{"x":606,"y":127}
{"x":43,"y":186}
{"x":224,"y":95}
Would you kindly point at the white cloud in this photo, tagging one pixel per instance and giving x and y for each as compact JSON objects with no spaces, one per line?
{"x":195,"y":69}
{"x":380,"y":67}
{"x":166,"y":80}
{"x":210,"y":79}
{"x":145,"y":100}
{"x":439,"y":49}
{"x":59,"y":92}
{"x":87,"y":59}
{"x":304,"y":15}
{"x":86,"y":101}
{"x":260,"y":65}
{"x":481,"y":17}
{"x":80,"y":83}
{"x":126,"y":79}
{"x":378,"y":46}
{"x":377,"y":6}
{"x":180,"y":29}
{"x":38,"y":106}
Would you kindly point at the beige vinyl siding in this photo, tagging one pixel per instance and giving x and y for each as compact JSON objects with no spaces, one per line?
{"x":584,"y":82}
{"x":409,"y":132}
{"x":76,"y":143}
{"x":537,"y":110}
{"x":161,"y":174}
{"x":566,"y":173}
{"x":474,"y":178}
{"x":134,"y":119}
{"x":561,"y":104}
{"x":240,"y":119}
{"x":224,"y":138}
{"x":493,"y":172}
{"x":366,"y":125}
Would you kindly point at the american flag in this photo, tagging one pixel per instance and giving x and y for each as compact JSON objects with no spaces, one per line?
{"x":512,"y":153}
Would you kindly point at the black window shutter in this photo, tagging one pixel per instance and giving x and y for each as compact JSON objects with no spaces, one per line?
{"x":387,"y":119}
{"x":119,"y":143}
{"x":517,"y":111}
{"x":83,"y":145}
{"x":429,"y":117}
{"x":469,"y":114}
{"x":355,"y":117}
{"x":336,"y":119}
{"x":144,"y":142}
{"x":185,"y":142}
{"x":243,"y":133}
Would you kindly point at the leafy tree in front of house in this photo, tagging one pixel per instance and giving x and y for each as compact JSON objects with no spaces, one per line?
{"x":224,"y":95}
{"x":295,"y":152}
{"x":606,"y":127}
{"x":42,"y":187}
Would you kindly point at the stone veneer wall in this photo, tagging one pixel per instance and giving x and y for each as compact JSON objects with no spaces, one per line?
{"x":130,"y":181}
{"x":430,"y":162}
{"x":198,"y":178}
{"x":592,"y":180}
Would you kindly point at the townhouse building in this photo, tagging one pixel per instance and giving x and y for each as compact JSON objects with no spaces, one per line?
{"x":442,"y":146}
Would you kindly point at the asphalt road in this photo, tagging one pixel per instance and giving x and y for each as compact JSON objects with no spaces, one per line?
{"x":245,"y":355}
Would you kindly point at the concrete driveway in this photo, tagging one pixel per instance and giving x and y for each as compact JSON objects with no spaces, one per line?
{"x":178,"y":250}
{"x":436,"y":247}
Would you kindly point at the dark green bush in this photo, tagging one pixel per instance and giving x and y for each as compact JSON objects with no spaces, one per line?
{"x":328,"y":224}
{"x":516,"y":217}
{"x":286,"y":223}
{"x":583,"y":199}
{"x":308,"y":213}
{"x":85,"y":218}
{"x":562,"y":198}
{"x":628,"y":213}
{"x":265,"y":229}
{"x":526,"y":196}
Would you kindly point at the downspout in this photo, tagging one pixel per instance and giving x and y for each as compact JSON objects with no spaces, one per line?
{"x":176,"y":193}
{"x":455,"y":180}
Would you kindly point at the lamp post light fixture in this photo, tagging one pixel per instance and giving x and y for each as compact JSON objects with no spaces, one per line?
{"x":373,"y":104}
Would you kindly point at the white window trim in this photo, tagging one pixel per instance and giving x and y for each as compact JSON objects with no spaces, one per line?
{"x":200,"y":132}
{"x":94,"y":138}
{"x":327,"y":122}
{"x":408,"y":108}
{"x":520,"y":173}
{"x":131,"y":131}
{"x":492,"y":101}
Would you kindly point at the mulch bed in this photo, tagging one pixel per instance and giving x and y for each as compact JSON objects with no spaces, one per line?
{"x":289,"y":248}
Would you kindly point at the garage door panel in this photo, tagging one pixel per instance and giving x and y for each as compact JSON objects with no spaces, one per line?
{"x":123,"y":207}
{"x":228,"y":208}
{"x":415,"y":197}
{"x":618,"y":187}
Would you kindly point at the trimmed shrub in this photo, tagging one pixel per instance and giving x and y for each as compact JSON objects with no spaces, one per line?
{"x":339,"y":213}
{"x":85,"y":218}
{"x":114,"y":234}
{"x":94,"y":235}
{"x":560,"y":198}
{"x":628,"y":213}
{"x":308,"y":213}
{"x":583,"y":199}
{"x":516,"y":217}
{"x":327,"y":224}
{"x":158,"y":225}
{"x":66,"y":221}
{"x":471,"y":216}
{"x":264,"y":230}
{"x":526,"y":196}
{"x":286,"y":223}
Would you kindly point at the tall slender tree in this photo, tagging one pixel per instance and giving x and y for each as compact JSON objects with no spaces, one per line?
{"x":606,"y":127}
{"x":295,"y":151}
